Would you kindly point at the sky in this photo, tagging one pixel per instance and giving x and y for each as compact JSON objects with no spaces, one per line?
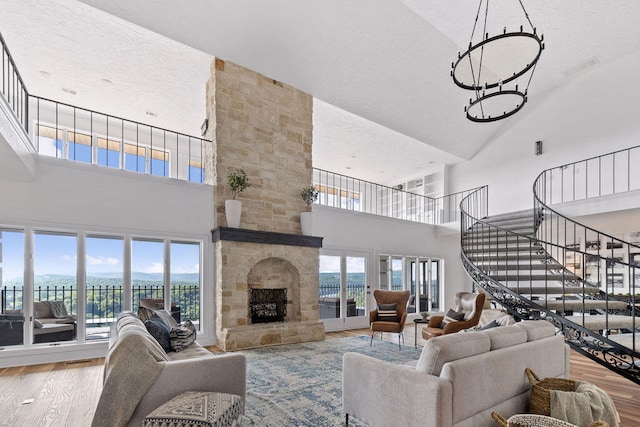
{"x":331,"y":264}
{"x":57,"y":254}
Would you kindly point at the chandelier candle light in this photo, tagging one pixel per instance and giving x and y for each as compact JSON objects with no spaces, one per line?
{"x":492,"y":66}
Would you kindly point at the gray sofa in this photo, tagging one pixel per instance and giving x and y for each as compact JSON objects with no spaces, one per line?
{"x":458,"y":380}
{"x":139,"y":376}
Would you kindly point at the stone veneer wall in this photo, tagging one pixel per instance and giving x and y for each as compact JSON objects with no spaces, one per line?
{"x":265,"y":128}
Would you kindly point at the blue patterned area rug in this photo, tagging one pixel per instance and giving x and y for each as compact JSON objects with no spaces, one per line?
{"x":301,"y":384}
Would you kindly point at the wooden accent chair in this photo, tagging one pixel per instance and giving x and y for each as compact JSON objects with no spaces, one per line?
{"x":390,"y":314}
{"x":469,"y":303}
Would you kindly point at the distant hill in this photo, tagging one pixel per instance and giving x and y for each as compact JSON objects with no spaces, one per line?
{"x":102,"y":278}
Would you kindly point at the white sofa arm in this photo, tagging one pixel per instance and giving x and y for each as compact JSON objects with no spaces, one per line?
{"x":380,"y":393}
{"x":224,"y":373}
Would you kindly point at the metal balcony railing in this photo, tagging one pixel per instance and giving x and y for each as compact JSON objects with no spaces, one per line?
{"x":65,"y":131}
{"x":609,"y":174}
{"x":13,"y":89}
{"x":344,"y":192}
{"x":69,"y":132}
{"x":105,"y":302}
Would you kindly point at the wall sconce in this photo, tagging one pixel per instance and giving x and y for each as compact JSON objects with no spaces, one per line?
{"x":538,"y":148}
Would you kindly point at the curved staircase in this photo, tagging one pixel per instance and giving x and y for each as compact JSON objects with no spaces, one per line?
{"x":538,"y":264}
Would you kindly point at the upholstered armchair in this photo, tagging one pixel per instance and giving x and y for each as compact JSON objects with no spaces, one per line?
{"x":390,"y":314}
{"x":466,"y":302}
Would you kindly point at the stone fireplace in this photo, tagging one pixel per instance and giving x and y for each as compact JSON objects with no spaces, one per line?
{"x":264,"y":127}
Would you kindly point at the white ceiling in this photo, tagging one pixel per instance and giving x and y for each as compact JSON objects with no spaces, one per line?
{"x":379,"y":69}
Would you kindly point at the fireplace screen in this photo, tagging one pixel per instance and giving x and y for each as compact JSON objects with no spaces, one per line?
{"x":268,"y":305}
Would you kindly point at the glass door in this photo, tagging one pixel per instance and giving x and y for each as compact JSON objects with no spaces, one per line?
{"x":343,"y":292}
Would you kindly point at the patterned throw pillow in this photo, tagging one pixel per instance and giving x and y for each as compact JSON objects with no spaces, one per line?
{"x":182,"y":336}
{"x":452,"y":316}
{"x":160,"y":331}
{"x":388,"y":312}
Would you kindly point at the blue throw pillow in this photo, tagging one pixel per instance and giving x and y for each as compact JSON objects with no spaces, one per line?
{"x":160,"y":331}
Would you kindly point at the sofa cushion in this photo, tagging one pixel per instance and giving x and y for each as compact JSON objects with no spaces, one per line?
{"x":537,"y":329}
{"x":37,"y":323}
{"x":160,"y":331}
{"x":42,"y":310}
{"x":446,"y":348}
{"x":388,"y":312}
{"x":505,"y":336}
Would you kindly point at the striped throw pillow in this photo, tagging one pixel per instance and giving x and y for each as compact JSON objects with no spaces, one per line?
{"x":388,"y":312}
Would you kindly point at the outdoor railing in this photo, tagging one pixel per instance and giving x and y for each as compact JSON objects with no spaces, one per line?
{"x":344,"y":192}
{"x":13,"y":88}
{"x":105,"y":302}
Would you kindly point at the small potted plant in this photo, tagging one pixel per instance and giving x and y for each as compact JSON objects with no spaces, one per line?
{"x":309,"y":195}
{"x":238,"y":182}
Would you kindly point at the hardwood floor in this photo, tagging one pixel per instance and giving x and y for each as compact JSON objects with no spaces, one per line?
{"x":66,"y":394}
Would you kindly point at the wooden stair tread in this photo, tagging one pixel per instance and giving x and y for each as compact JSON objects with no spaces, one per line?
{"x":587,"y":304}
{"x":525,"y":289}
{"x":599,"y":322}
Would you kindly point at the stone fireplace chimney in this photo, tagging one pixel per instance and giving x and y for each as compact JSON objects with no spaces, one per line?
{"x":264,"y":127}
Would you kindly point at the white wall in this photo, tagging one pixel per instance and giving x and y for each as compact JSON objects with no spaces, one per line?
{"x":377,"y":235}
{"x":91,"y":197}
{"x":594,"y":114}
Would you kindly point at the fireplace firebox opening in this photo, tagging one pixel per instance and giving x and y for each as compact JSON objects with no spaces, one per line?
{"x":268,"y":305}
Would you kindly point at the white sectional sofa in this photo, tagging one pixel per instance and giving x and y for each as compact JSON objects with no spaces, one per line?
{"x":458,"y":380}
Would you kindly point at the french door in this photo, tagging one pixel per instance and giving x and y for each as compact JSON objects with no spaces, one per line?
{"x":343,"y":290}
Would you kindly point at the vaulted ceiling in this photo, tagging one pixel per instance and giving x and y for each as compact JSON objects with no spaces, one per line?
{"x":386,"y":109}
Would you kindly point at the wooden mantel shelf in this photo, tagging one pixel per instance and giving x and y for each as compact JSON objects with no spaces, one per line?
{"x":269,"y":237}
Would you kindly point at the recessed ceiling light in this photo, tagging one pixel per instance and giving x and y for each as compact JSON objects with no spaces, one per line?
{"x":69,"y":90}
{"x":45,"y":74}
{"x":107,"y":81}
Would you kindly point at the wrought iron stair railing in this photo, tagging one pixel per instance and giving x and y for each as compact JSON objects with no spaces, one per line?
{"x":506,"y":258}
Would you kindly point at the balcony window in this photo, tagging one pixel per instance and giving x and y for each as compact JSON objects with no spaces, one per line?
{"x":108,"y":153}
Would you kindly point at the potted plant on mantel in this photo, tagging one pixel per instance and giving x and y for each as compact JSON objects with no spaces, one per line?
{"x":309,"y":195}
{"x":238,"y":182}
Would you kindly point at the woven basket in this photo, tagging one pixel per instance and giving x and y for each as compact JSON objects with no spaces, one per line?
{"x":540,"y":400}
{"x":534,"y":420}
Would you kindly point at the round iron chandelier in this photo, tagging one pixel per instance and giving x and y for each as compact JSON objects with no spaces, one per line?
{"x":492,"y":66}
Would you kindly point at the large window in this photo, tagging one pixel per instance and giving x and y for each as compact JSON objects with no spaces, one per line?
{"x":104,"y":283}
{"x":12,"y":282}
{"x":185,"y":280}
{"x":147,"y":270}
{"x":91,"y":278}
{"x":55,"y":280}
{"x":133,"y":156}
{"x":421,"y":276}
